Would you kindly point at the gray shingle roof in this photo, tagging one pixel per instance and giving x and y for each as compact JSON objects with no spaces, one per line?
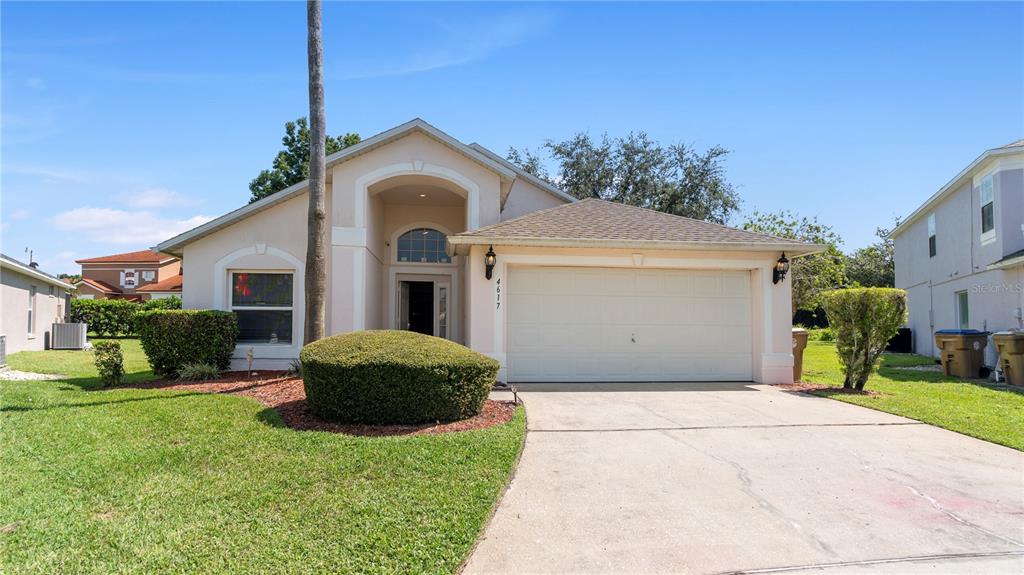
{"x":605,"y":223}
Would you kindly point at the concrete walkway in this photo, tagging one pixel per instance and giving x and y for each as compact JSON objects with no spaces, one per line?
{"x":721,"y":478}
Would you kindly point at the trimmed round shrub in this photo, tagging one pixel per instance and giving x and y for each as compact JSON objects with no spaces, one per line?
{"x":175,"y":338}
{"x":390,"y":376}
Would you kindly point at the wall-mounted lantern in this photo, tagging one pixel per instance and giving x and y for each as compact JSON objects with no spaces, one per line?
{"x":489,"y":260}
{"x":781,"y":269}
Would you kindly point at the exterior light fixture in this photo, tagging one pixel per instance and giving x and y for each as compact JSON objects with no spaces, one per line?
{"x":423,"y":195}
{"x":489,"y":260}
{"x":781,"y":269}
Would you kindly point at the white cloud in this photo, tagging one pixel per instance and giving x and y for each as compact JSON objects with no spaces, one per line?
{"x":19,"y":215}
{"x":458,"y":44}
{"x":158,"y":198}
{"x":124,"y":227}
{"x":63,"y":262}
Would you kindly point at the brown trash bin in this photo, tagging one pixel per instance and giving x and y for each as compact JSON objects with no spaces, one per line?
{"x":962,"y":351}
{"x":1010,"y":345}
{"x":799,"y":343}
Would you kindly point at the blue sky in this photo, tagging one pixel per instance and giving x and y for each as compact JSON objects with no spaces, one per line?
{"x":125,"y":123}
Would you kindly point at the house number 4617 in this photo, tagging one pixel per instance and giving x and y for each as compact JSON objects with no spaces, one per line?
{"x":497,"y":293}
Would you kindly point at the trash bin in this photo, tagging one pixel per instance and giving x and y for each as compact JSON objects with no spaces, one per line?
{"x":799,"y":343}
{"x":1010,"y":345}
{"x":962,"y":351}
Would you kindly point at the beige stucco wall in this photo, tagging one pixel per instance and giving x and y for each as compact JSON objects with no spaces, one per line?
{"x":526,"y":198}
{"x":273,"y":239}
{"x":771,"y":303}
{"x":14,"y":298}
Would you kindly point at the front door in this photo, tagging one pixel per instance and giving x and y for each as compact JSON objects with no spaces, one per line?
{"x":423,"y":306}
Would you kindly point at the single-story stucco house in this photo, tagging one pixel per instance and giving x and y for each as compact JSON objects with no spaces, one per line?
{"x":577,"y":290}
{"x":31,"y":301}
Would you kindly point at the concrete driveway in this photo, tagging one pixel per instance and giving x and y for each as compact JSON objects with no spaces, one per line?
{"x":721,"y":478}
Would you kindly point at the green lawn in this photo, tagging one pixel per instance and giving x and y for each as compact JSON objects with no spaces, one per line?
{"x":144,"y":481}
{"x":992,"y":413}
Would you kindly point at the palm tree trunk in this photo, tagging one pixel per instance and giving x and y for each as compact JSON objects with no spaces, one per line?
{"x":316,"y":240}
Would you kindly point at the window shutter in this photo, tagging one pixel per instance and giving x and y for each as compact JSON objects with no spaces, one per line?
{"x":122,"y":279}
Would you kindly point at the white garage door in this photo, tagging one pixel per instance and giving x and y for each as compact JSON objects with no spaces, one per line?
{"x":597,"y":324}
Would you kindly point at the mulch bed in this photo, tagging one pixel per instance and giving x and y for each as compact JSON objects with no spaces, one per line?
{"x":286,"y":395}
{"x":811,"y":387}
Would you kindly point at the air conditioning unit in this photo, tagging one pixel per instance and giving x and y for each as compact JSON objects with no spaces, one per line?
{"x":68,"y":336}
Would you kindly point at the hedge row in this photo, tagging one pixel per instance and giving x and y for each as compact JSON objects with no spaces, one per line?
{"x":114,"y":317}
{"x":173,"y":338}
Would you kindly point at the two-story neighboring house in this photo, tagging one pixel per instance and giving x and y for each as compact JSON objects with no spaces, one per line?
{"x":960,"y":256}
{"x":137,"y":275}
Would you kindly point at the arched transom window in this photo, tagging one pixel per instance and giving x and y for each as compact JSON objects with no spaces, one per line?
{"x":423,"y":245}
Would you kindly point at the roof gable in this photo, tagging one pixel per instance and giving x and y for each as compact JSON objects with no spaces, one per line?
{"x":599,"y":223}
{"x":417,"y":125}
{"x":1008,"y":151}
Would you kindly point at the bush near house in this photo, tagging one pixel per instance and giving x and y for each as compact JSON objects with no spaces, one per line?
{"x":171,"y":302}
{"x":115,"y":317}
{"x":174,"y":338}
{"x":389,"y":376}
{"x":109,"y":362}
{"x":106,"y":317}
{"x":863,"y":321}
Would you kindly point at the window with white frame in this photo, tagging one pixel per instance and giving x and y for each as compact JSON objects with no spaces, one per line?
{"x":31,"y":310}
{"x":931,"y":236}
{"x":262,"y":302}
{"x":129,"y":279}
{"x":988,"y":222}
{"x":963,"y":310}
{"x":423,"y":245}
{"x":148,"y":275}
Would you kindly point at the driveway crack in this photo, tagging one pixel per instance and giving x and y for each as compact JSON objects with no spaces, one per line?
{"x":747,"y":486}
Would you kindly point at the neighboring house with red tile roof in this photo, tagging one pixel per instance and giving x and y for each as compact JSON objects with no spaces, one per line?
{"x":163,"y":288}
{"x":124,"y":276}
{"x":432,"y":235}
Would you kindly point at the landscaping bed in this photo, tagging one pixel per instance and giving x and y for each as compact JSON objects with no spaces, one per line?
{"x":286,"y":395}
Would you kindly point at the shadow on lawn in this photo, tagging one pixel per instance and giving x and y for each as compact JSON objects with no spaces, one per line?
{"x":19,"y":408}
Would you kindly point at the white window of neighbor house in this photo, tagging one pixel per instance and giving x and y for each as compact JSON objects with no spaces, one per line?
{"x":31,"y":310}
{"x":931,"y":236}
{"x":129,"y":279}
{"x":262,"y":302}
{"x":988,"y":218}
{"x":148,"y":275}
{"x":963,"y":313}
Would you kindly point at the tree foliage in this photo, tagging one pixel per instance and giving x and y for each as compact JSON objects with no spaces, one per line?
{"x":291,"y":165}
{"x":811,"y":275}
{"x":863,"y":321}
{"x":639,"y":171}
{"x":874,"y":265}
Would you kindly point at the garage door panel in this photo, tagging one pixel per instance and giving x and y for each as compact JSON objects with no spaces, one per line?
{"x":593,"y":324}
